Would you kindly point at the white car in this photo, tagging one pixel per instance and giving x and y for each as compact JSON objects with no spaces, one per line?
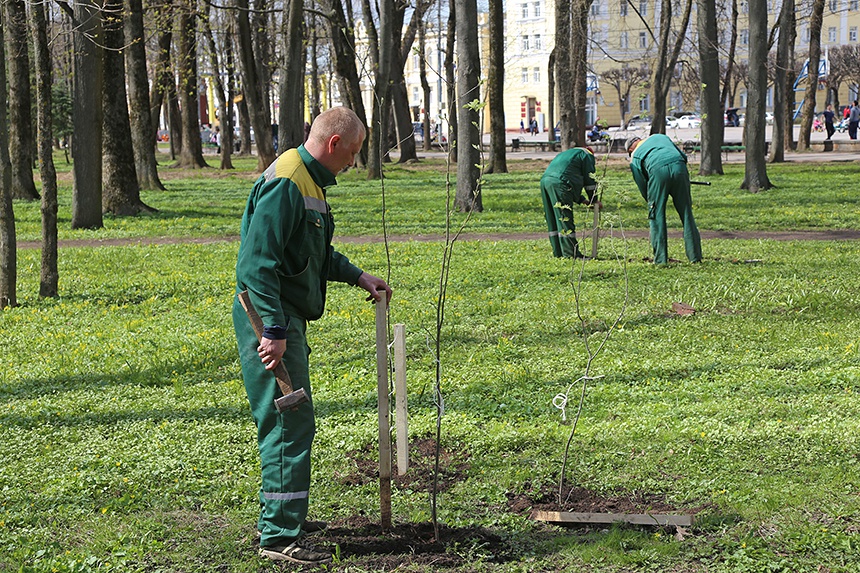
{"x":671,"y":122}
{"x":689,"y":122}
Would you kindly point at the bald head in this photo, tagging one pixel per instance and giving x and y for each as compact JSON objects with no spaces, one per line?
{"x":340,"y":121}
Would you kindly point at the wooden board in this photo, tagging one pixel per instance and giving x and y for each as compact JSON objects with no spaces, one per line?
{"x":608,"y":518}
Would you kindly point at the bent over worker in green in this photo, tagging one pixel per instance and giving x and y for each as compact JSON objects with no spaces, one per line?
{"x":285,"y":259}
{"x":560,"y":189}
{"x":660,"y":171}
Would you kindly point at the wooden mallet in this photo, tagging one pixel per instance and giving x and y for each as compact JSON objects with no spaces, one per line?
{"x":291,"y":398}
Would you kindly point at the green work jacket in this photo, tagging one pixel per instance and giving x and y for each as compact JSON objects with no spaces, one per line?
{"x":574,"y":167}
{"x":285,"y":254}
{"x":655,"y":151}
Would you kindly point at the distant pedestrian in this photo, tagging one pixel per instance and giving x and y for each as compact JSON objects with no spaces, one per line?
{"x":853,"y":120}
{"x":522,"y":126}
{"x":533,"y":127}
{"x":828,"y":121}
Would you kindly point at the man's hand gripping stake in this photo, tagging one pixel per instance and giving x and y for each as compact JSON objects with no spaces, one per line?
{"x":290,"y":399}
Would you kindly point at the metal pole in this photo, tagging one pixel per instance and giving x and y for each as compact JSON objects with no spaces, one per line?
{"x":383,"y":406}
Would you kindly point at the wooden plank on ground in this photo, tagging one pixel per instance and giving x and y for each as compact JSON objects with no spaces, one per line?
{"x":567,"y":517}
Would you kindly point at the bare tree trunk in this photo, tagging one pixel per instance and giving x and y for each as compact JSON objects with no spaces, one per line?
{"x":664,"y":68}
{"x":807,"y":112}
{"x":244,"y":125}
{"x":563,"y":74}
{"x":253,"y":90}
{"x":343,"y":44}
{"x":713,"y":127}
{"x":730,"y":58}
{"x":121,"y":192}
{"x":755,"y":174}
{"x":451,"y":83}
{"x":191,"y":155}
{"x":20,"y":118}
{"x":225,"y":101}
{"x":468,"y":196}
{"x":496,"y":89}
{"x":8,"y":245}
{"x":781,"y":89}
{"x":790,"y":78}
{"x":142,"y":132}
{"x":292,"y":111}
{"x":49,"y":275}
{"x":579,"y":67}
{"x":425,"y":85}
{"x":377,"y":147}
{"x":87,"y":119}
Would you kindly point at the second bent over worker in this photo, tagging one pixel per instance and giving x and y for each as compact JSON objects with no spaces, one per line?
{"x":560,"y":189}
{"x":660,"y":171}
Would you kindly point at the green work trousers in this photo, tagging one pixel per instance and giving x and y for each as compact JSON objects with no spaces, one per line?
{"x":672,"y":180}
{"x":558,"y":201}
{"x":284,"y":439}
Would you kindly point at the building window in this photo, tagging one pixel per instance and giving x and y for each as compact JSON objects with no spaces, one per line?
{"x":622,"y":40}
{"x":643,"y":40}
{"x":537,"y":42}
{"x":831,"y":34}
{"x":415,"y":96}
{"x":645,"y":103}
{"x":537,"y":9}
{"x":525,"y":42}
{"x":834,"y":5}
{"x":745,"y":7}
{"x":416,"y":61}
{"x":595,"y":8}
{"x":643,"y":7}
{"x":525,"y":75}
{"x":623,"y":7}
{"x":852,"y":5}
{"x":745,"y":37}
{"x":852,"y":34}
{"x":525,"y":10}
{"x":536,"y":75}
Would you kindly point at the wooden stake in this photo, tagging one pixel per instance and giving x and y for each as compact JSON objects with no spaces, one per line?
{"x":595,"y":232}
{"x":401,"y":422}
{"x":565,"y":517}
{"x":383,"y":405}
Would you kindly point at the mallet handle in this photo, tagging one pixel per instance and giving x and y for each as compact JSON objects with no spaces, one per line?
{"x":700,"y":182}
{"x":282,"y":376}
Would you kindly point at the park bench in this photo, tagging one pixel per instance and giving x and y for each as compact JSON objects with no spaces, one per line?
{"x":696,"y":147}
{"x":520,"y":144}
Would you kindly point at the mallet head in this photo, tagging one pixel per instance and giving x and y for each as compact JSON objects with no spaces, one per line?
{"x":291,"y":401}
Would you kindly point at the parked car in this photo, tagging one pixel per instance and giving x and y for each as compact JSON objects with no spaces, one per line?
{"x":639,"y":122}
{"x":768,"y":118}
{"x":671,"y":122}
{"x":689,"y":122}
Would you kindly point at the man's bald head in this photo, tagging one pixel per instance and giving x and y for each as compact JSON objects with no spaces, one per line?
{"x":340,"y":121}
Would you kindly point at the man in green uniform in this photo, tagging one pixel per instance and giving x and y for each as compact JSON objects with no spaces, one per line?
{"x":285,"y":259}
{"x":660,"y":171}
{"x":560,"y":189}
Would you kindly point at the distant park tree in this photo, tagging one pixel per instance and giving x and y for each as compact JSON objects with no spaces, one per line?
{"x":709,"y":71}
{"x":667,"y":60}
{"x":496,"y":88}
{"x":140,"y":117}
{"x":625,"y":80}
{"x":49,"y":275}
{"x":755,"y":172}
{"x":224,"y":93}
{"x":807,"y":111}
{"x":468,"y":196}
{"x":783,"y":103}
{"x":191,"y":154}
{"x":292,"y":111}
{"x":20,"y":101}
{"x":252,"y":88}
{"x":8,"y":246}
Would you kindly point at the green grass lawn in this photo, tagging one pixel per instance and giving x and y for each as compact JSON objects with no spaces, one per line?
{"x":128,"y":445}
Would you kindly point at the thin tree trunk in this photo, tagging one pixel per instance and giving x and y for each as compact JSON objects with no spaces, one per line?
{"x":142,"y":131}
{"x":468,"y":196}
{"x":496,"y":89}
{"x":87,"y":119}
{"x":713,"y":127}
{"x":191,"y":154}
{"x":121,"y":193}
{"x":730,"y":58}
{"x":807,"y":112}
{"x":425,"y":85}
{"x":451,"y":81}
{"x":563,"y":74}
{"x":666,"y":62}
{"x":292,"y":111}
{"x":377,"y":148}
{"x":252,"y":89}
{"x":20,"y":118}
{"x":8,"y":244}
{"x":244,"y":126}
{"x":781,"y":89}
{"x":755,"y":174}
{"x":225,"y":112}
{"x":578,"y":66}
{"x":49,"y":275}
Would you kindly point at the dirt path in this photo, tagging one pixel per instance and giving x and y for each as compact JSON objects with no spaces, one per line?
{"x":832,"y":235}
